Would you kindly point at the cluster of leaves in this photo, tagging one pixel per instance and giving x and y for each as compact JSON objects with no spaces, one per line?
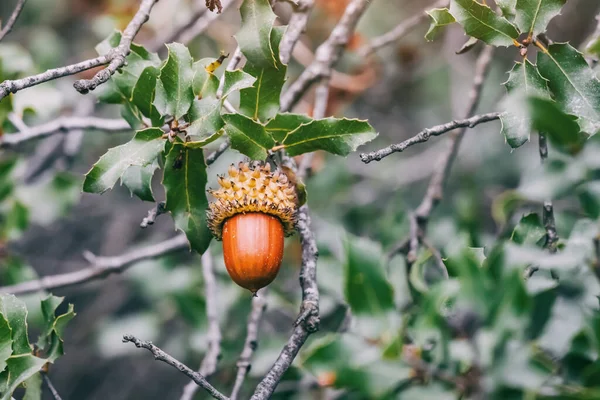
{"x":188,"y":97}
{"x":485,"y":331}
{"x":20,"y":362}
{"x":558,"y":96}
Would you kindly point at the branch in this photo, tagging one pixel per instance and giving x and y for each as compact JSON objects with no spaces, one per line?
{"x":399,"y":31}
{"x":153,"y":213}
{"x":200,"y":24}
{"x":435,"y":190}
{"x":164,"y":357}
{"x":296,"y":27}
{"x":63,"y":124}
{"x":327,"y":55}
{"x":13,"y":18}
{"x":308,"y":318}
{"x":425,"y":134}
{"x":212,"y":157}
{"x":51,"y":387}
{"x":100,"y":267}
{"x":548,"y":211}
{"x":209,"y":363}
{"x":115,"y":58}
{"x":250,"y":344}
{"x":118,"y":54}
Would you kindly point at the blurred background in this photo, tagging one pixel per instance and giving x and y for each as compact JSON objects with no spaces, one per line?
{"x":403,"y":88}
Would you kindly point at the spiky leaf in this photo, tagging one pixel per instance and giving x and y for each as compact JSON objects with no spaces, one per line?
{"x":247,"y":136}
{"x":174,"y":93}
{"x":483,"y":23}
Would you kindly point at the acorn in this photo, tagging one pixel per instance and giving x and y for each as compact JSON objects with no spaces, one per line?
{"x":254,"y":209}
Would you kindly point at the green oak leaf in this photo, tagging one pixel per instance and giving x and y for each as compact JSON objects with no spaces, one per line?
{"x":532,"y":16}
{"x":236,"y":80}
{"x":174,"y":91}
{"x":138,"y":179}
{"x":19,"y":369}
{"x":336,"y":136}
{"x":573,"y":83}
{"x":126,"y":78}
{"x":248,"y":136}
{"x":483,"y":23}
{"x":516,"y":127}
{"x":50,"y":339}
{"x":255,"y":33}
{"x":204,"y":117}
{"x":15,"y":312}
{"x":5,"y":342}
{"x":440,"y":18}
{"x":366,"y":288}
{"x":508,"y":7}
{"x":185,"y":187}
{"x":33,"y":387}
{"x":142,"y":150}
{"x":529,"y":231}
{"x":205,"y":83}
{"x":143,"y":93}
{"x":261,"y":101}
{"x":207,"y":140}
{"x":284,"y":123}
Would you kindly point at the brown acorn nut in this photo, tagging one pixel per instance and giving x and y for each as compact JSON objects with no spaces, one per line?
{"x":253,"y":211}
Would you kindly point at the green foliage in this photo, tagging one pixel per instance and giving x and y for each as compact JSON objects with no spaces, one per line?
{"x":561,"y":74}
{"x":481,"y":22}
{"x":440,"y":17}
{"x":141,"y":151}
{"x":184,"y":94}
{"x":185,"y":181}
{"x":19,"y":364}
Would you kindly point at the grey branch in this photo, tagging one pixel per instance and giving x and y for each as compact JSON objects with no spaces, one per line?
{"x":399,"y":31}
{"x":548,"y":211}
{"x":13,"y":18}
{"x":99,"y":268}
{"x":245,"y":361}
{"x":166,"y":358}
{"x":308,"y":318}
{"x":51,"y":387}
{"x":153,"y":213}
{"x":63,"y":124}
{"x":211,"y":158}
{"x":327,"y":55}
{"x":8,"y":87}
{"x":435,"y":190}
{"x":209,"y":363}
{"x":425,"y":134}
{"x":296,"y":27}
{"x":200,"y":24}
{"x":115,"y":58}
{"x":117,"y":55}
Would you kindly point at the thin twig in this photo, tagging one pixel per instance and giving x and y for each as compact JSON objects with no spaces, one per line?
{"x":166,"y":358}
{"x":153,"y":213}
{"x":63,"y":124}
{"x":209,"y":363}
{"x":118,"y":54}
{"x":437,"y":255}
{"x":435,"y":190}
{"x":250,"y":344}
{"x":99,"y":267}
{"x":296,"y":27}
{"x":172,"y":35}
{"x":327,"y":55}
{"x":13,"y":18}
{"x":425,"y":134}
{"x":308,"y":318}
{"x":201,"y":24}
{"x":51,"y":387}
{"x":548,"y":211}
{"x":399,"y":31}
{"x":212,"y":157}
{"x":115,"y":58}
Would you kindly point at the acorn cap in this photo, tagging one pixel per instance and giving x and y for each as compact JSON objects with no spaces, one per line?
{"x":253,"y":188}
